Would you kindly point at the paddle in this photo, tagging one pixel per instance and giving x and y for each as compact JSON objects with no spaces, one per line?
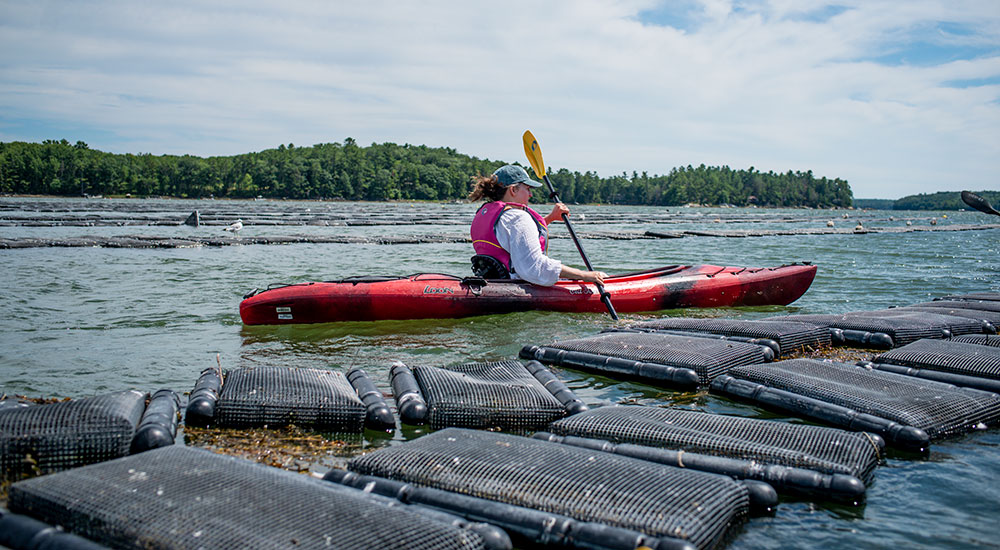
{"x":978,"y":203}
{"x":534,"y":153}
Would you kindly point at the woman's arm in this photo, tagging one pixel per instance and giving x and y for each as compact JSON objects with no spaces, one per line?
{"x":518,"y":235}
{"x":571,"y":272}
{"x":587,"y":276}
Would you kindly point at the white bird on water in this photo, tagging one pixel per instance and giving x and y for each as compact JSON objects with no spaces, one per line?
{"x":235,"y":227}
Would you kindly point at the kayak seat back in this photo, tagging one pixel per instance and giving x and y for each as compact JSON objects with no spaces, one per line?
{"x":489,"y":267}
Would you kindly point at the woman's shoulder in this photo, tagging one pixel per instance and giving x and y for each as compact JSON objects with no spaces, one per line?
{"x":516,"y":211}
{"x":514,"y":218}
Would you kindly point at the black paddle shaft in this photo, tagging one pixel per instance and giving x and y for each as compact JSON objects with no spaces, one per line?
{"x":978,"y":203}
{"x":605,"y":295}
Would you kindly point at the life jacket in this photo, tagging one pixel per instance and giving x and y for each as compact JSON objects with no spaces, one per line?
{"x":484,"y":236}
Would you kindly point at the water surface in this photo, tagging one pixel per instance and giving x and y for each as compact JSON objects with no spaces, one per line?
{"x":82,"y":321}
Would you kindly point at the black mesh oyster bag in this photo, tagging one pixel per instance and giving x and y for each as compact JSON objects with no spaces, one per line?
{"x":41,"y":439}
{"x":790,"y":336}
{"x":907,"y":411}
{"x":963,"y":358}
{"x":889,"y":328}
{"x":501,"y":394}
{"x":279,"y":396}
{"x":185,"y":498}
{"x":992,"y":340}
{"x":625,"y":492}
{"x":824,"y":449}
{"x":707,"y":358}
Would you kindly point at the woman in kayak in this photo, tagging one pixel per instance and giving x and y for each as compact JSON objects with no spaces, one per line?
{"x":506,"y":232}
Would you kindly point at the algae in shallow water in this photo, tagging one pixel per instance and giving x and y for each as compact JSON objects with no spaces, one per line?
{"x":290,"y":447}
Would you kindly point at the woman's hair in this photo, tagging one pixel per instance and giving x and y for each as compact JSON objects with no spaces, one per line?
{"x":487,"y":187}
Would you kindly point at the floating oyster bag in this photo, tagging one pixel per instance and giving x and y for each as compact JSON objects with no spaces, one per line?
{"x":828,"y":450}
{"x":278,"y":396}
{"x":905,"y":410}
{"x":180,"y":497}
{"x":968,"y":359}
{"x":708,"y":358}
{"x":502,"y":394}
{"x":992,"y":340}
{"x":790,"y":336}
{"x":585,"y":485}
{"x":40,"y":439}
{"x":900,"y":325}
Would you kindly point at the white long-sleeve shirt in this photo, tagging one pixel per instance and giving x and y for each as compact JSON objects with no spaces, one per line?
{"x":518,"y":235}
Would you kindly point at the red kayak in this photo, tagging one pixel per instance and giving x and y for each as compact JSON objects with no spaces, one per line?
{"x":436,"y":296}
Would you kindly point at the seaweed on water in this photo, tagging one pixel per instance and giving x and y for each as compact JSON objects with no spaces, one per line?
{"x":838,"y":354}
{"x":290,"y":447}
{"x":34,"y":400}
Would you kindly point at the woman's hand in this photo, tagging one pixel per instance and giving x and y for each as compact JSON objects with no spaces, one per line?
{"x":557,"y":211}
{"x":594,"y":277}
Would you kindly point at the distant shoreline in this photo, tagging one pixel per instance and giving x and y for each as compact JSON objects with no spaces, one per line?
{"x":941,"y":201}
{"x":398,"y":201}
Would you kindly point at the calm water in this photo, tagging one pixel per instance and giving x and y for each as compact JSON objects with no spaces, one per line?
{"x":82,"y":321}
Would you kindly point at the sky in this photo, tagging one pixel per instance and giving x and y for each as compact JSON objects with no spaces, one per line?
{"x":896,"y":97}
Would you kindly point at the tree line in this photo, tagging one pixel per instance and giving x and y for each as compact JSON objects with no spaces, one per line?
{"x":379,"y":172}
{"x":942,"y":200}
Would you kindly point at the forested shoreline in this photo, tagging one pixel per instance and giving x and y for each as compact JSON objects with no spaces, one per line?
{"x":944,"y":200}
{"x":380,"y":172}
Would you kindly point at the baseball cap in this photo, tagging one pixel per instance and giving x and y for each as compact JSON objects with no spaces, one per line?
{"x":511,"y":175}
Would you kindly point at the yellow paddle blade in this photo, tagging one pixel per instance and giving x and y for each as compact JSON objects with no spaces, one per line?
{"x":534,"y":153}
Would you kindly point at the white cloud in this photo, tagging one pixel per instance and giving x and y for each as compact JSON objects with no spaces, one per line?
{"x":778,"y":85}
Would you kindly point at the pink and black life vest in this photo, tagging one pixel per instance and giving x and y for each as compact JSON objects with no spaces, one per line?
{"x":483,"y":230}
